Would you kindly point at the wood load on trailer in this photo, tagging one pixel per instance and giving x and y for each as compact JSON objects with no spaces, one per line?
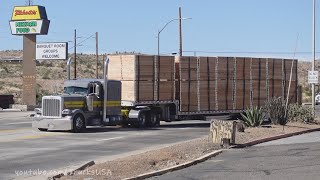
{"x":202,"y":85}
{"x":231,"y":84}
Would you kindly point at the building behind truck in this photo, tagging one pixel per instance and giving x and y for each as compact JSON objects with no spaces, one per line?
{"x":142,"y":90}
{"x":6,"y":101}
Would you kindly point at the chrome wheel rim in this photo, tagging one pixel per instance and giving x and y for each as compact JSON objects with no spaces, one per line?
{"x":154,"y":119}
{"x":142,"y":118}
{"x":79,"y":123}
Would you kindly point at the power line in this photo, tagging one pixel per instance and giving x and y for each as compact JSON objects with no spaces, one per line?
{"x":83,"y":40}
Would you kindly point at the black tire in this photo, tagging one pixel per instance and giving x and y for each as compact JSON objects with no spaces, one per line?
{"x":154,"y":120}
{"x":78,"y":124}
{"x":42,"y":129}
{"x":142,"y":120}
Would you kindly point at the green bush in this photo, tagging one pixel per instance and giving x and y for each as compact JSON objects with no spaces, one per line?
{"x":276,"y":109}
{"x":300,"y":113}
{"x":253,"y":117}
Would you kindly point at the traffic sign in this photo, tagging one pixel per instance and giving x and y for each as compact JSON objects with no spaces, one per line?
{"x":313,"y":77}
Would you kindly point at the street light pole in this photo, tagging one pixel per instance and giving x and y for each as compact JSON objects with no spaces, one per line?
{"x":313,"y":53}
{"x":75,"y":54}
{"x":164,"y":28}
{"x":180,"y":33}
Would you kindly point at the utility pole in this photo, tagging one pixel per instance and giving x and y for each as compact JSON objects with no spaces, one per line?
{"x":97,"y":55}
{"x":313,"y":53}
{"x":29,"y":2}
{"x":75,"y":54}
{"x":180,"y":33}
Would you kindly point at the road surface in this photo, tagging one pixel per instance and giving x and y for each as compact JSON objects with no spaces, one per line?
{"x":24,"y":150}
{"x":294,"y":158}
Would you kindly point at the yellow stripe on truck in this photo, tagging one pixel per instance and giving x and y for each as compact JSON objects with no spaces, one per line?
{"x":108,"y":103}
{"x":74,"y":104}
{"x":80,"y":104}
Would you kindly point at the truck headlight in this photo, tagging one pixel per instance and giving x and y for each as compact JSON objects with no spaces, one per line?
{"x":38,"y":111}
{"x":66,"y":112}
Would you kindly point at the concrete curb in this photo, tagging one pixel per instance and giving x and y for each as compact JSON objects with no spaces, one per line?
{"x":86,"y":165}
{"x":177,"y":167}
{"x":10,"y":110}
{"x":259,"y":141}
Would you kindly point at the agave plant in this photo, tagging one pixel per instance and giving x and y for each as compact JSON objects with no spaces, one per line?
{"x":253,"y":117}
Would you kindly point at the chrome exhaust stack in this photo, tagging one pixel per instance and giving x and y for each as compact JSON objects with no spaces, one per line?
{"x":68,"y":68}
{"x":105,"y":86}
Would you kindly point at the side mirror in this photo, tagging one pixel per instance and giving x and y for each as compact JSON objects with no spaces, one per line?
{"x":97,"y":90}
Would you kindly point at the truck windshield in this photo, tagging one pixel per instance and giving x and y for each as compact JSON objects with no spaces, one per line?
{"x":75,"y":90}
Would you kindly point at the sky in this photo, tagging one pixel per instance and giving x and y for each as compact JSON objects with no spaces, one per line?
{"x":263,"y":28}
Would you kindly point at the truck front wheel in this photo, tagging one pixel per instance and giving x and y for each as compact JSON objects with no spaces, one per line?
{"x":78,"y":123}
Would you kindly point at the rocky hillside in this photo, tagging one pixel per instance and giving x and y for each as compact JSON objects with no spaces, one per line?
{"x":51,"y":74}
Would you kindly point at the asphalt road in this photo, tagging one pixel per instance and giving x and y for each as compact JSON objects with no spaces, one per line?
{"x":294,"y":158}
{"x":24,"y":150}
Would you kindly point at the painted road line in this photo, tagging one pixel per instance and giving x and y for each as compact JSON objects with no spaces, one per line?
{"x":26,"y":122}
{"x":108,"y":139}
{"x":215,"y":161}
{"x":13,"y":130}
{"x":34,"y":135}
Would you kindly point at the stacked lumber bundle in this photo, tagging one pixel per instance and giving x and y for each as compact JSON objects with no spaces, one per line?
{"x":233,"y":83}
{"x":203,"y":84}
{"x":143,"y":78}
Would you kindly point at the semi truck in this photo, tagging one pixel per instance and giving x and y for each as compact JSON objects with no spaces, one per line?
{"x":165,"y":88}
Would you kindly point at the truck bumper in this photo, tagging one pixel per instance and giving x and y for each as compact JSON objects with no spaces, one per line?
{"x":63,"y":124}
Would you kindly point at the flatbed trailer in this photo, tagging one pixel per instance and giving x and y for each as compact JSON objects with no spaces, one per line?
{"x":142,"y":90}
{"x":202,"y":86}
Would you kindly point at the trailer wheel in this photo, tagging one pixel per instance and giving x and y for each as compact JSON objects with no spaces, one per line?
{"x":78,"y":123}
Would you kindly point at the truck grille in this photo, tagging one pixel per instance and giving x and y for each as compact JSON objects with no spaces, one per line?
{"x":51,"y":107}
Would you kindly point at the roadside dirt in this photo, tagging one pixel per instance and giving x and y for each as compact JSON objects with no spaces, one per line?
{"x":177,"y":154}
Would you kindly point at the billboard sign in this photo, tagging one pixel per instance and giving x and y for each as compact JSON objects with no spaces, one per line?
{"x":29,"y":13}
{"x":52,"y":51}
{"x":37,"y":27}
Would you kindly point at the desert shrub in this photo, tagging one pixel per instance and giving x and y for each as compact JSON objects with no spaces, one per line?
{"x":307,"y":90}
{"x":253,"y":117}
{"x":276,"y":109}
{"x":300,"y":113}
{"x":87,"y":71}
{"x":6,"y":69}
{"x":39,"y":93}
{"x":46,"y":75}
